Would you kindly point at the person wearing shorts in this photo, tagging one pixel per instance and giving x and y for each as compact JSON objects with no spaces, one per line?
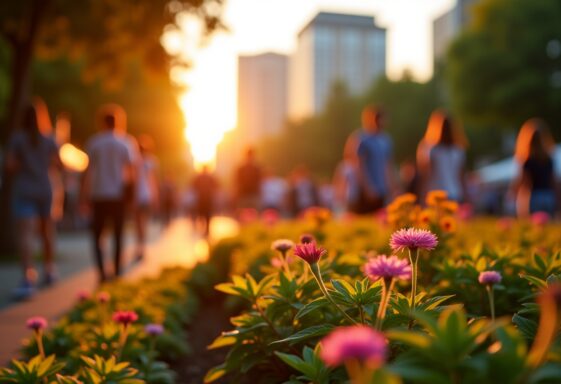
{"x":30,"y":156}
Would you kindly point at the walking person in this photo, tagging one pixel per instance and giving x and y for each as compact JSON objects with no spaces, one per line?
{"x":205,"y":187}
{"x":248,"y":182}
{"x":375,"y":162}
{"x":29,"y":158}
{"x":109,"y":171}
{"x":535,"y":184}
{"x":146,"y":191}
{"x":442,"y":157}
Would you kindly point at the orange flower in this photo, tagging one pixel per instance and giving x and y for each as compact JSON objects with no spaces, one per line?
{"x":435,"y":197}
{"x":448,"y":224}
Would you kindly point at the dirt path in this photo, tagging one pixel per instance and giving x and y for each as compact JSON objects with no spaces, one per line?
{"x":210,"y":321}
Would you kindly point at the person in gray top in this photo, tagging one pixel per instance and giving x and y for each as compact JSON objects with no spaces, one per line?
{"x":109,"y":172}
{"x":29,"y":158}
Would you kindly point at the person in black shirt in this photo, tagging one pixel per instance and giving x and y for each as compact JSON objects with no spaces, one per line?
{"x":535,"y":186}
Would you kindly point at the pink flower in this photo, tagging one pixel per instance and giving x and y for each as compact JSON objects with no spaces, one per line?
{"x":307,"y":238}
{"x":83,"y":296}
{"x":310,"y":252}
{"x":154,"y":329}
{"x":540,"y":218}
{"x":358,"y":342}
{"x":103,"y":297}
{"x":248,"y":215}
{"x":282,"y":245}
{"x":125,"y":317}
{"x":465,"y":211}
{"x":383,"y":267}
{"x":270,"y":216}
{"x":36,"y":323}
{"x":505,"y":223}
{"x":490,"y":277}
{"x":413,"y":239}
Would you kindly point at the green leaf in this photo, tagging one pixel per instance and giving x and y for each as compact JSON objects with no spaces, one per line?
{"x":311,"y":307}
{"x":527,"y":327}
{"x":298,"y":364}
{"x":222,"y":341}
{"x":307,"y":333}
{"x":542,"y":284}
{"x":414,"y":339}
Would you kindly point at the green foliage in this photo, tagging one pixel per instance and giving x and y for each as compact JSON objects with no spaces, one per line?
{"x":98,"y":370}
{"x":31,"y":372}
{"x":448,"y":338}
{"x":501,"y":69}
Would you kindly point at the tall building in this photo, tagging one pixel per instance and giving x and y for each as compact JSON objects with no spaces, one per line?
{"x":448,"y":25}
{"x":334,"y":47}
{"x":262,"y":95}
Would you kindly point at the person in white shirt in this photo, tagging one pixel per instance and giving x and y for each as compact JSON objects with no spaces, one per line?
{"x":443,"y":157}
{"x":109,"y":172}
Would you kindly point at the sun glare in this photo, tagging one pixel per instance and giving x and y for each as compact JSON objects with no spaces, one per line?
{"x":207,"y":102}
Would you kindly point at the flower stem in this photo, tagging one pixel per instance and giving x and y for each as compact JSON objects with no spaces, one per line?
{"x":317,"y":275}
{"x":491,"y":301}
{"x":413,"y":261}
{"x":122,"y":341}
{"x":285,"y":266}
{"x":39,"y":339}
{"x":387,"y":288}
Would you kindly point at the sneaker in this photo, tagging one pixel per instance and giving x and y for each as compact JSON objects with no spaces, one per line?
{"x":24,"y":291}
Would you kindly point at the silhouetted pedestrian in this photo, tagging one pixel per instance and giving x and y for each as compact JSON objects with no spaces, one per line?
{"x":535,"y":185}
{"x":30,"y":156}
{"x":104,"y":187}
{"x":205,"y":187}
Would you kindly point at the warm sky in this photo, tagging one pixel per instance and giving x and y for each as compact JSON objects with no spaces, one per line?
{"x":256,"y":26}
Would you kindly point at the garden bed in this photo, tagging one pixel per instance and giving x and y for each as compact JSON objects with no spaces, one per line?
{"x":486,"y":308}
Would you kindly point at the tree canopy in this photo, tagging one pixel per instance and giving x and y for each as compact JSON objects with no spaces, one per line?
{"x":506,"y":66}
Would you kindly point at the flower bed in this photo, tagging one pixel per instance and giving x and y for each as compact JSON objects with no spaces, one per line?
{"x":485,"y":309}
{"x":122,"y":334}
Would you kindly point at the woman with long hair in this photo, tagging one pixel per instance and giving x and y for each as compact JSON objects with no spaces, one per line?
{"x":535,"y":185}
{"x":29,"y":158}
{"x":441,"y":157}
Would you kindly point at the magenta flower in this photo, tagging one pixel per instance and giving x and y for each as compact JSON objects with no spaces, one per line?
{"x":37,"y":323}
{"x":490,"y":277}
{"x":282,"y":245}
{"x":310,"y":252}
{"x":540,"y":218}
{"x":83,"y":296}
{"x":413,"y":239}
{"x":103,"y":297}
{"x":358,"y":342}
{"x":154,"y":329}
{"x":125,"y":317}
{"x":383,"y":267}
{"x":306,"y":238}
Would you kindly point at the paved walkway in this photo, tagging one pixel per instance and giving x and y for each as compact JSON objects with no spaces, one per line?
{"x":177,"y":245}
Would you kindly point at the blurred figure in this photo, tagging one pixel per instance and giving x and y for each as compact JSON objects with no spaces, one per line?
{"x":273,"y":192}
{"x":248,"y":182}
{"x":146,"y":191}
{"x":104,"y":184}
{"x":30,"y":155}
{"x":168,"y":199}
{"x":409,"y":177}
{"x":535,"y":185}
{"x":302,"y":192}
{"x":205,"y":187}
{"x":442,"y":157}
{"x":375,"y":160}
{"x":346,"y":183}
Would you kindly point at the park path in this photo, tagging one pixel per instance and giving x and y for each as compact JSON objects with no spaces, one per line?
{"x":176,"y":245}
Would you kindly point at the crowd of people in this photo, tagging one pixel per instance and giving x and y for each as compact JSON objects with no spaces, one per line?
{"x":122,"y":180}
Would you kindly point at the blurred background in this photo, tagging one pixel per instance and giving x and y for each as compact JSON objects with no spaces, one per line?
{"x":208,"y":78}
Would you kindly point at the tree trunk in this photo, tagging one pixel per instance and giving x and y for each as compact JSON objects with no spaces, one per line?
{"x":22,"y":53}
